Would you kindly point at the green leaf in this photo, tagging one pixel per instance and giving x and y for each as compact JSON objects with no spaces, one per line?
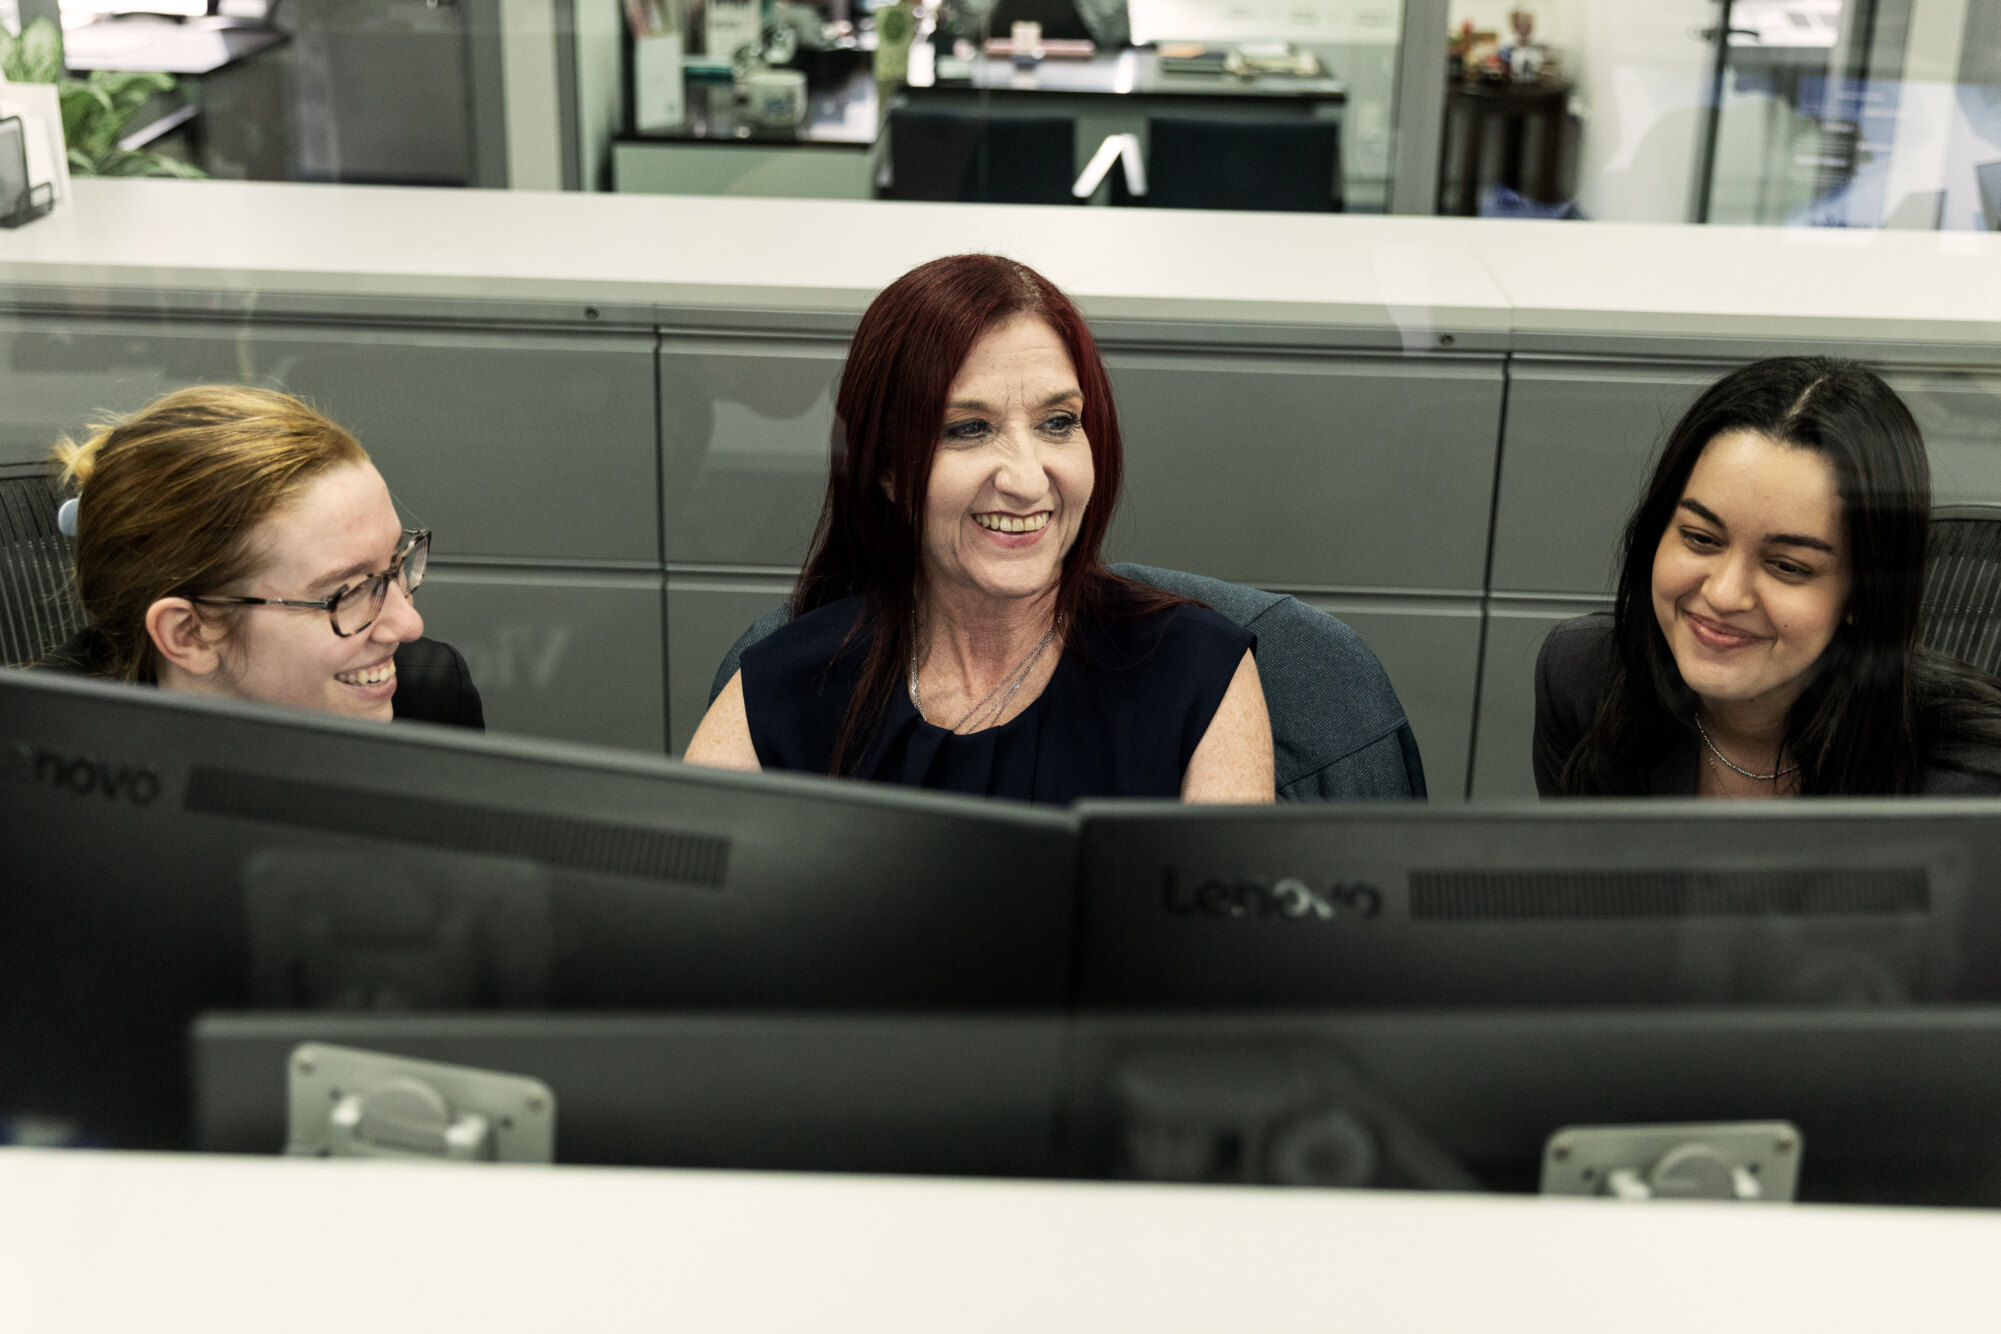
{"x":41,"y":53}
{"x":127,"y":92}
{"x":88,"y":123}
{"x":10,"y":55}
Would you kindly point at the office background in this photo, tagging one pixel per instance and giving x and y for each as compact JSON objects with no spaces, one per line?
{"x":615,"y":409}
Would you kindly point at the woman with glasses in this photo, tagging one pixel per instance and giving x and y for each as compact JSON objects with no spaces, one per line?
{"x":231,"y":541}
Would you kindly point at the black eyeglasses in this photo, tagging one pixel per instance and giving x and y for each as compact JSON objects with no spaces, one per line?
{"x":354,"y":608}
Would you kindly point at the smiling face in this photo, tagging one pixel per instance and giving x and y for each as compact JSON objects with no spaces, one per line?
{"x":1752,"y":574}
{"x":341,"y":530}
{"x":1012,"y":473}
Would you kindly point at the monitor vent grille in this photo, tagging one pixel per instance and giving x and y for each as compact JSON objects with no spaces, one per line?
{"x":1545,"y":895}
{"x":555,"y":840}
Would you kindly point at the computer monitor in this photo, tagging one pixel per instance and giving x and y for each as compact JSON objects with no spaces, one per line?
{"x":168,"y":855}
{"x":1565,"y":903}
{"x":1397,"y":996}
{"x":1892,"y":1105}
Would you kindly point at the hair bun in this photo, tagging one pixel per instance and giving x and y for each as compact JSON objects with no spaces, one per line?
{"x":80,"y":461}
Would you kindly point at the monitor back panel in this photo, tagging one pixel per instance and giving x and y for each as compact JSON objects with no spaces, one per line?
{"x":166,"y":857}
{"x":1654,"y":902}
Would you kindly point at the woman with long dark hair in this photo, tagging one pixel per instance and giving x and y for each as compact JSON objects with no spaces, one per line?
{"x":955,"y":626}
{"x":1763,"y":640}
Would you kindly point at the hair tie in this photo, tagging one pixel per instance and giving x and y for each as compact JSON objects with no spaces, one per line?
{"x":66,"y":517}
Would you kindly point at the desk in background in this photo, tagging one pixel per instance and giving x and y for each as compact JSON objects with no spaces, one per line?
{"x":717,"y":151}
{"x":1113,"y":92}
{"x":835,"y":154}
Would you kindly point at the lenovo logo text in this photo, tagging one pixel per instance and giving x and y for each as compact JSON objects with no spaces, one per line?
{"x":1289,"y":898}
{"x":84,"y":775}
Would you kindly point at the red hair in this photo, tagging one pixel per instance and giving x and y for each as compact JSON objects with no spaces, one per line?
{"x":888,"y":412}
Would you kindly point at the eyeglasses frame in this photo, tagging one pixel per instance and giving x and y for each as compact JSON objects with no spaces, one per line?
{"x":412,"y":537}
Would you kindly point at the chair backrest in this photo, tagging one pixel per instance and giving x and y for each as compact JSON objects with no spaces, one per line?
{"x":1290,"y":165}
{"x":1338,"y":730}
{"x":964,"y":157}
{"x":38,"y":606}
{"x":1960,"y":615}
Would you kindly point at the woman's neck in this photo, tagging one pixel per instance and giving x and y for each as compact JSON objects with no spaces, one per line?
{"x":977,"y":636}
{"x":1757,"y":728}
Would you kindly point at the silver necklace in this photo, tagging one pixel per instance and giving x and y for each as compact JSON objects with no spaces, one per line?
{"x":987,"y":710}
{"x":1738,"y":769}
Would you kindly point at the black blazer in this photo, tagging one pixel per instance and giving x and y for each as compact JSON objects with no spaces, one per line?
{"x":433,"y":684}
{"x":1570,"y":677}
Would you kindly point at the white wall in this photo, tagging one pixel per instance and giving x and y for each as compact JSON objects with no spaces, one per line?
{"x":528,"y":74}
{"x":1641,"y":75}
{"x":1640,"y":78}
{"x":600,"y":87}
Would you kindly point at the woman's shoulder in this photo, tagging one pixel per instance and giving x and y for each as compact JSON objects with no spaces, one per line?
{"x":1577,"y":650}
{"x":1177,"y":637}
{"x":808,"y":644}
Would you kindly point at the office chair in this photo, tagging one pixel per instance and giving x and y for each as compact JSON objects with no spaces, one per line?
{"x":963,"y":157}
{"x":1960,"y":615}
{"x":38,"y":606}
{"x":1291,"y":165}
{"x":1338,"y":730}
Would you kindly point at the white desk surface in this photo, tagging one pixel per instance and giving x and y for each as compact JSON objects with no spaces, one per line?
{"x":118,"y":1243}
{"x":724,"y":253}
{"x":1771,"y":282}
{"x":641,"y":258}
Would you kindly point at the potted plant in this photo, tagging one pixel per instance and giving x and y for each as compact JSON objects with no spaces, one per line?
{"x":97,"y":111}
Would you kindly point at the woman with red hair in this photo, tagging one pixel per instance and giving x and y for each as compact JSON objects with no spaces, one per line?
{"x":955,"y":626}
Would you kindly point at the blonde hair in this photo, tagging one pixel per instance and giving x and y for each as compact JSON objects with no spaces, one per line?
{"x":168,"y":498}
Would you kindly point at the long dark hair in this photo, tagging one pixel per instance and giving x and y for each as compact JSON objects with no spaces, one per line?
{"x":887,"y":416}
{"x":1878,"y":706}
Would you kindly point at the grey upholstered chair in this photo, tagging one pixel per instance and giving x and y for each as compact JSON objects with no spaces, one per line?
{"x":38,"y":606}
{"x":1961,"y":612}
{"x":1338,"y":731}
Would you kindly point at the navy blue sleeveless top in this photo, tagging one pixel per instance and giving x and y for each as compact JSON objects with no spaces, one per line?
{"x":1125,"y":710}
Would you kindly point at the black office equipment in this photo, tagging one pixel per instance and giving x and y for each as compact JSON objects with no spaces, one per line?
{"x":20,"y":200}
{"x":940,"y":1093}
{"x":1059,"y":19}
{"x":1895,"y":1104}
{"x":1576,"y":903}
{"x":1273,"y":164}
{"x":168,"y":855}
{"x":966,"y":157}
{"x":38,"y":606}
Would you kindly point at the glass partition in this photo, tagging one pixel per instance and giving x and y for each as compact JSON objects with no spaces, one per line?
{"x":1834,"y":113}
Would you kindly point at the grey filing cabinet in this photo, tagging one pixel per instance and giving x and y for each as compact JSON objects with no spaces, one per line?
{"x":530,"y":454}
{"x":1360,"y":481}
{"x":745,"y":422}
{"x":1579,"y":441}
